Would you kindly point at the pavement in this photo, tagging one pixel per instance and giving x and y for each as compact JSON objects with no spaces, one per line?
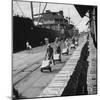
{"x":32,"y":83}
{"x":59,"y":82}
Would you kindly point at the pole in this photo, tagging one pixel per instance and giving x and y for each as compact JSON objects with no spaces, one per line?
{"x":39,"y":11}
{"x":32,"y":12}
{"x":42,"y":13}
{"x":39,"y":7}
{"x":69,"y":15}
{"x":94,"y":24}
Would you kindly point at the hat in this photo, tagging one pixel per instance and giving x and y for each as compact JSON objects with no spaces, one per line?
{"x":46,"y":39}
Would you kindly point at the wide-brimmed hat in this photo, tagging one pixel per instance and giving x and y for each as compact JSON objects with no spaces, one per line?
{"x":46,"y":39}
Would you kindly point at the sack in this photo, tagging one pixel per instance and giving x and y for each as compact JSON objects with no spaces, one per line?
{"x":64,"y":50}
{"x":45,"y":63}
{"x":56,"y":56}
{"x":76,"y":43}
{"x":72,"y":45}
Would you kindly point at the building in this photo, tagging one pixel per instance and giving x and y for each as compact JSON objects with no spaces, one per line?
{"x":52,"y":20}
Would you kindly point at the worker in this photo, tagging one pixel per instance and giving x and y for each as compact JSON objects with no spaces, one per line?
{"x":28,"y":46}
{"x":49,"y":51}
{"x":57,"y":46}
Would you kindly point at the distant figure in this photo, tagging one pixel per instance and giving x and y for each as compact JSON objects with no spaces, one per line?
{"x":57,"y":46}
{"x":73,"y":40}
{"x":41,"y":43}
{"x":66,"y":42}
{"x":49,"y":51}
{"x":76,"y":41}
{"x":28,"y":46}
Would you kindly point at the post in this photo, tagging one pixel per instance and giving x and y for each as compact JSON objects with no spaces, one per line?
{"x":32,"y":12}
{"x":94,"y":24}
{"x":42,"y":13}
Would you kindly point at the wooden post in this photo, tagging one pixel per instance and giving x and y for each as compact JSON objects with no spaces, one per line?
{"x":32,"y":12}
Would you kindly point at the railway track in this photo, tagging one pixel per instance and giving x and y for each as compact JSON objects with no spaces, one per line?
{"x":26,"y":66}
{"x":27,"y":70}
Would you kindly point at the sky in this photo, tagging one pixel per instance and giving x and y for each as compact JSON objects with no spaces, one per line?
{"x":23,"y":9}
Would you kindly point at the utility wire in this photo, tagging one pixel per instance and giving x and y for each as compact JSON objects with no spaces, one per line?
{"x":39,"y":7}
{"x":20,"y":8}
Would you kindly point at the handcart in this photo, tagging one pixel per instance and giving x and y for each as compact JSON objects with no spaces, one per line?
{"x":73,"y":46}
{"x":45,"y":65}
{"x":57,"y":57}
{"x":65,"y":51}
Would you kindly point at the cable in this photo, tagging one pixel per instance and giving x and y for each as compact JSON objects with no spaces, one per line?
{"x":39,"y":7}
{"x":20,"y":8}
